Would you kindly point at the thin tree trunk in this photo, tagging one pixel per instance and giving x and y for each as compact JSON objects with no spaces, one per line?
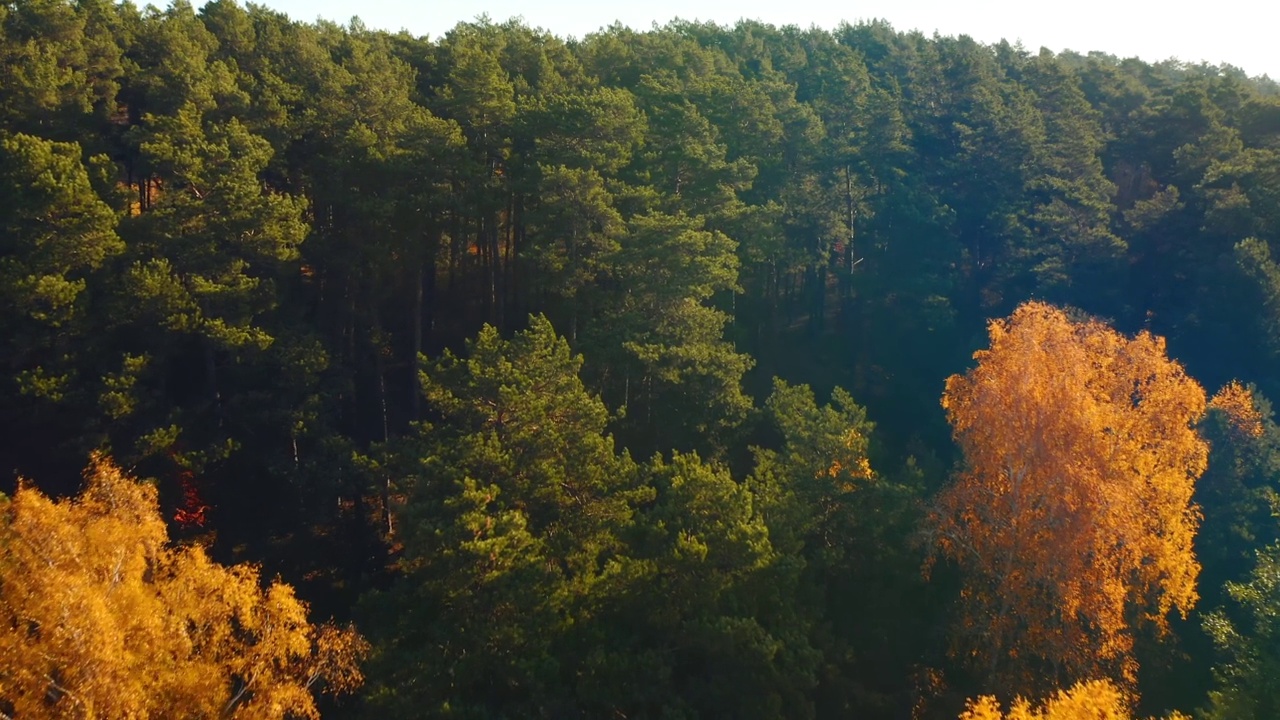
{"x":508,"y":299}
{"x":493,"y":237}
{"x":211,"y":377}
{"x":380,"y":366}
{"x":415,"y":388}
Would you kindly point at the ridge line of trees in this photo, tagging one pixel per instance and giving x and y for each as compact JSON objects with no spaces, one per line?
{"x":526,"y":354}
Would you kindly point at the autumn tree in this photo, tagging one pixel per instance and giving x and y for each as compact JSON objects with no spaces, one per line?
{"x":101,"y":617}
{"x":1092,"y":700}
{"x":1072,"y":520}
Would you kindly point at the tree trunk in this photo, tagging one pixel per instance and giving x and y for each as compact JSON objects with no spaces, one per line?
{"x":415,"y":389}
{"x":211,"y":378}
{"x":380,"y":367}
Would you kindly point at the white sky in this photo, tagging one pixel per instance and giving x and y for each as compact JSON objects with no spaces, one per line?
{"x":1244,"y":33}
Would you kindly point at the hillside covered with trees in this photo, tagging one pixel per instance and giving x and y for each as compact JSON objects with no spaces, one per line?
{"x":700,"y":372}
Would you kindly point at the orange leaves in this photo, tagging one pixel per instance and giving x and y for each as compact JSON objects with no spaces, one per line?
{"x":193,"y":512}
{"x":100,"y":617}
{"x":1074,"y":512}
{"x":1236,"y":402}
{"x":1093,"y":700}
{"x":859,"y":469}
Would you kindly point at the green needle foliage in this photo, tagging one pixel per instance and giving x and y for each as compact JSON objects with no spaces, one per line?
{"x":599,"y":377}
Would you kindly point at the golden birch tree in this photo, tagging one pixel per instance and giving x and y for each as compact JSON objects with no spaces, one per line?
{"x":100,"y":617}
{"x":1091,"y":700}
{"x":1072,"y":520}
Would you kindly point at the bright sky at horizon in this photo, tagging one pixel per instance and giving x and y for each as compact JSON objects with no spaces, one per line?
{"x":1242,"y":33}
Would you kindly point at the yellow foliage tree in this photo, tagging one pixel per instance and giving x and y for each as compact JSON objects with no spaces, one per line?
{"x":1237,"y":403}
{"x":1093,"y":700}
{"x":1073,"y":518}
{"x":100,"y":617}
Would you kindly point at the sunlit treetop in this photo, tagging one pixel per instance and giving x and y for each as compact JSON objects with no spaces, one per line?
{"x":1093,"y":700}
{"x":102,"y":617}
{"x":1073,"y":517}
{"x":1236,"y":401}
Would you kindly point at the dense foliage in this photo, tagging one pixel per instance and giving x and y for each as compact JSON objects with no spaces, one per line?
{"x":525,"y":354}
{"x":1073,"y":517}
{"x":1095,"y":700}
{"x":103,"y":618}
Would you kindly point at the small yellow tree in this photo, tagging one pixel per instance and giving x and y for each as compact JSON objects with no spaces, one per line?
{"x":100,"y":617}
{"x":1240,"y":409}
{"x":1073,"y":517}
{"x":1093,"y":700}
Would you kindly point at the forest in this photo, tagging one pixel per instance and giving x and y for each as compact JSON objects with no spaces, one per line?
{"x":695,"y":372}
